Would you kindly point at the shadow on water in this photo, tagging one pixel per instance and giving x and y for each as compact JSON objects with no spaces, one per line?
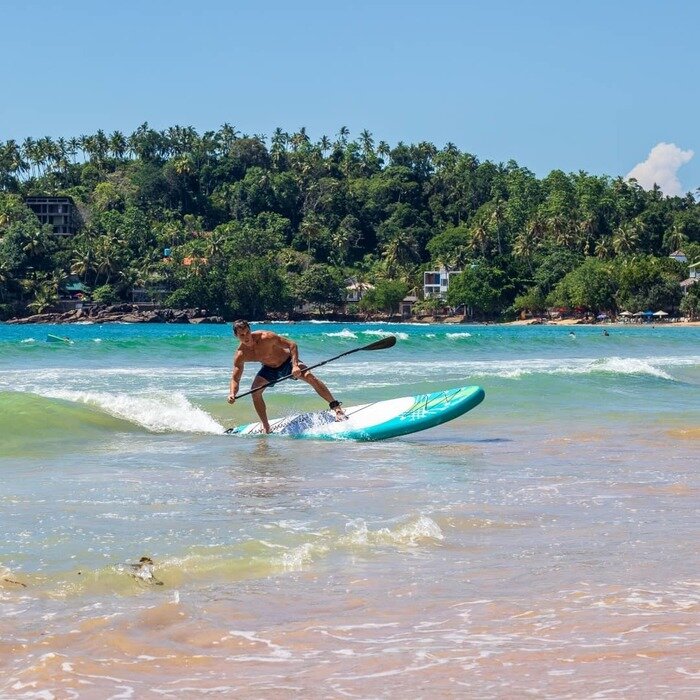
{"x":460,"y":440}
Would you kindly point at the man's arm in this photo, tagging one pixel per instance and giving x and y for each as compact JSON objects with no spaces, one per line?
{"x":236,"y":375}
{"x":293,"y":354}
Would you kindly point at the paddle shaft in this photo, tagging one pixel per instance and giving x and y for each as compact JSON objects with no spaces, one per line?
{"x":382,"y":344}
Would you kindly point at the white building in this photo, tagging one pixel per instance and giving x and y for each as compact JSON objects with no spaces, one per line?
{"x":354,"y":290}
{"x":437,"y":282}
{"x":693,"y":277}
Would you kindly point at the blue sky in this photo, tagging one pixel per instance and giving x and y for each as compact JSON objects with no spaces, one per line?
{"x":592,"y":85}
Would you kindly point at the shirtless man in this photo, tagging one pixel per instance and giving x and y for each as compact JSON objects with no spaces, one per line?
{"x":280,"y":358}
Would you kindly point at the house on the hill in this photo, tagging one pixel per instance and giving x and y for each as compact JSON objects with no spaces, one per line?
{"x":437,"y":282}
{"x":58,"y":212}
{"x":693,"y":277}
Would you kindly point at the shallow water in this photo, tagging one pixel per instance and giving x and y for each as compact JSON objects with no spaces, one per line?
{"x":543,"y":544}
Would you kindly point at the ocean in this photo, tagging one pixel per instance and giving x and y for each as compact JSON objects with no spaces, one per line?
{"x":544,"y":544}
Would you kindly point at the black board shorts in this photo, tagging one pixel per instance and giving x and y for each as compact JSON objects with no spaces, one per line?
{"x":274,"y":374}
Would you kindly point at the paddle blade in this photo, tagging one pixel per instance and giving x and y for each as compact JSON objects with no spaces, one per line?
{"x":382,"y":344}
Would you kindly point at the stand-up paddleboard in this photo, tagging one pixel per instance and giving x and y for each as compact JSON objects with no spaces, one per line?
{"x":51,"y":338}
{"x":376,"y":421}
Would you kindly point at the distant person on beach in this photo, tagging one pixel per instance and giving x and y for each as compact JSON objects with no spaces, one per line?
{"x":280,"y":358}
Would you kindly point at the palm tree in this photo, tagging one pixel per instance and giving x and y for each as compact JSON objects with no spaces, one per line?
{"x":497,"y":219}
{"x":34,"y":243}
{"x":674,"y":238}
{"x":106,"y":262}
{"x":626,"y":238}
{"x":383,"y":149}
{"x":400,"y":252}
{"x":118,"y":144}
{"x":524,"y":247}
{"x":324,"y":144}
{"x":367,"y":142}
{"x":83,"y":261}
{"x":226,"y":137}
{"x":343,"y":134}
{"x":604,"y":248}
{"x":480,"y":237}
{"x":562,"y":231}
{"x":29,"y":153}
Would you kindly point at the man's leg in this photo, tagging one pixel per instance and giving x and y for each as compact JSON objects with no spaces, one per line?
{"x":259,"y":403}
{"x":323,"y":391}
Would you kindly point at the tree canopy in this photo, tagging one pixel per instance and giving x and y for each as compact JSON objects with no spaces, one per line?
{"x":256,"y":225}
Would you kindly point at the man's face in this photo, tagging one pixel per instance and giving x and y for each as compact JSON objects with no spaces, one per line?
{"x":244,"y":336}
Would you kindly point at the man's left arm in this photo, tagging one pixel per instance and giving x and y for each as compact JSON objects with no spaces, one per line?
{"x":293,"y":354}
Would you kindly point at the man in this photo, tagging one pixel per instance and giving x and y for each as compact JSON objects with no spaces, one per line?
{"x":280,"y":358}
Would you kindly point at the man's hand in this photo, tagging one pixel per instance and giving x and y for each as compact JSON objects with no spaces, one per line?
{"x":296,"y":371}
{"x":231,"y":398}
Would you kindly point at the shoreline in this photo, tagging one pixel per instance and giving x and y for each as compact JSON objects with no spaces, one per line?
{"x":200,"y":316}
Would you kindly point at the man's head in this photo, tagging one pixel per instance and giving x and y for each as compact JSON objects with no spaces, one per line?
{"x":241,"y":329}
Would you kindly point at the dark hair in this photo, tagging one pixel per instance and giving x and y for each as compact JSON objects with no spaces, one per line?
{"x":240,"y":325}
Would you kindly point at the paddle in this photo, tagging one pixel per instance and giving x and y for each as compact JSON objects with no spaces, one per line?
{"x":382,"y":344}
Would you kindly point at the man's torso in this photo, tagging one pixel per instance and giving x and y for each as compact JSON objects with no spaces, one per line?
{"x":266,"y":349}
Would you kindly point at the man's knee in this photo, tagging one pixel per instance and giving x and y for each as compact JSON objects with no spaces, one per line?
{"x":259,"y":385}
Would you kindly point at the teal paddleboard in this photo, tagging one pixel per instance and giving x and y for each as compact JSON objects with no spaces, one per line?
{"x":376,"y":421}
{"x":51,"y":338}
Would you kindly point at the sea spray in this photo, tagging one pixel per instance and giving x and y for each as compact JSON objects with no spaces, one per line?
{"x":158,"y":412}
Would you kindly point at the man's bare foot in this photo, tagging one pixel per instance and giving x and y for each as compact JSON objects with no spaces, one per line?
{"x":339,"y":414}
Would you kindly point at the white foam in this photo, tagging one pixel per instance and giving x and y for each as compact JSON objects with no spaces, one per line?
{"x":345,"y":333}
{"x":454,"y":336}
{"x":408,"y":534}
{"x":629,"y":365}
{"x":297,"y":557}
{"x":383,"y":334}
{"x":158,"y":412}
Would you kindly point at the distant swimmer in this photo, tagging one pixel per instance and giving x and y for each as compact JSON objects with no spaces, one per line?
{"x":144,"y":571}
{"x":606,"y":333}
{"x":279,"y":357}
{"x":572,"y":334}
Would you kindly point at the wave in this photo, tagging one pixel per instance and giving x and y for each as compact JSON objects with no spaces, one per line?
{"x":157,"y":412}
{"x":252,"y":558}
{"x":27,"y":419}
{"x":516,"y":368}
{"x":345,"y":333}
{"x":383,"y":334}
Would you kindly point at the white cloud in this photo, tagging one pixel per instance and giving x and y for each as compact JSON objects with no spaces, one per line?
{"x":661,"y":168}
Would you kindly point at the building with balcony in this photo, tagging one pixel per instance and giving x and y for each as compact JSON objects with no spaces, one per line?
{"x":437,"y":282}
{"x":58,"y":212}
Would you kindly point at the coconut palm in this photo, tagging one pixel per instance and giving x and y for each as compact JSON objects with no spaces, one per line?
{"x":626,"y":238}
{"x":604,"y":249}
{"x":83,"y":261}
{"x":400,"y":253}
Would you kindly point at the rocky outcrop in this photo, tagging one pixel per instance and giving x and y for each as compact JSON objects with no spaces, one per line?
{"x":123,"y":313}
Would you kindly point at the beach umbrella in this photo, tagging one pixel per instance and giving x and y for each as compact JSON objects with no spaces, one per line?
{"x":647,"y":313}
{"x":600,"y":317}
{"x":660,"y":313}
{"x":625,"y":313}
{"x":639,"y":313}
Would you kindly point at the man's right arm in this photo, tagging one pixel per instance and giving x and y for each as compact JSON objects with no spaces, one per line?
{"x":236,"y":375}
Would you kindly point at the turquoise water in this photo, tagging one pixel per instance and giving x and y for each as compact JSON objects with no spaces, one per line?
{"x":496,"y":551}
